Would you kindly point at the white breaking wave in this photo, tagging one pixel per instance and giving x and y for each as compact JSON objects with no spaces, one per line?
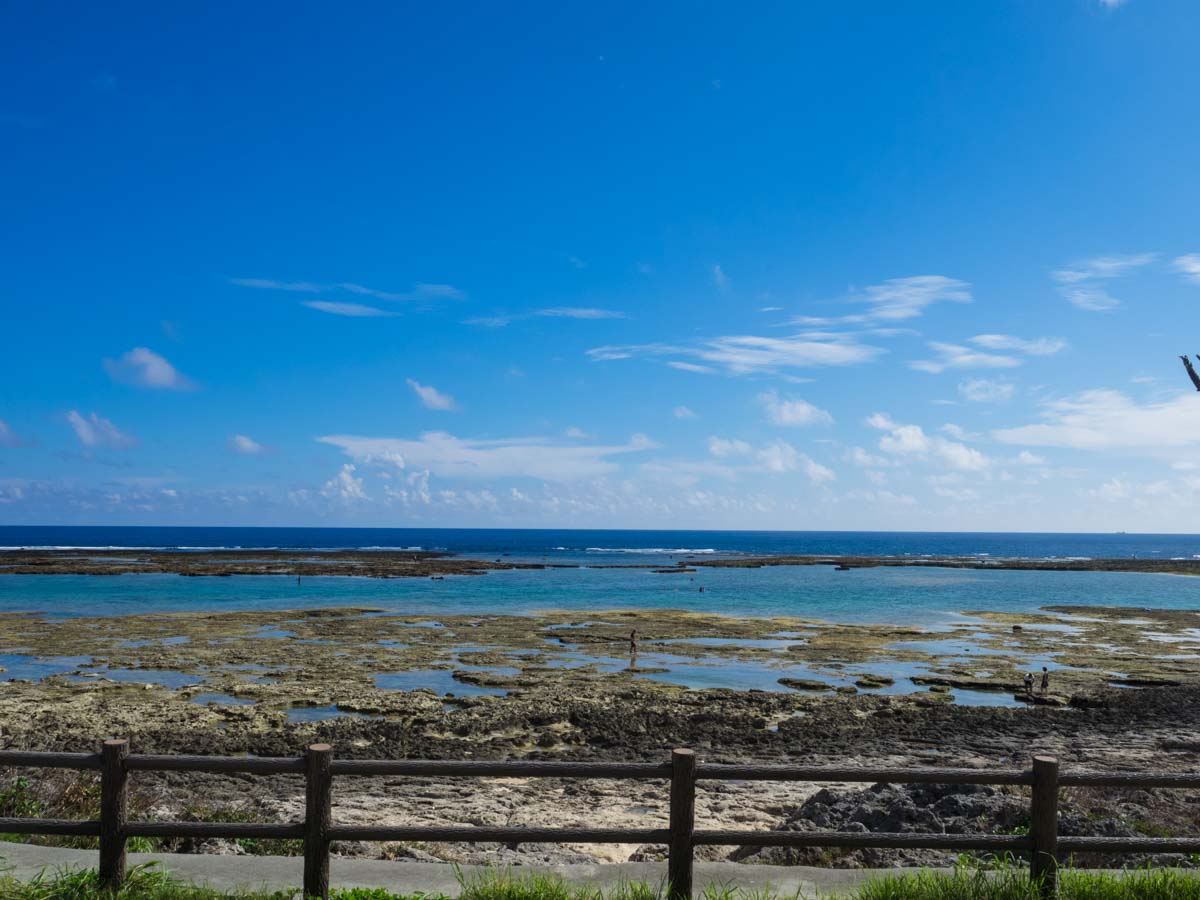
{"x":659,"y":550}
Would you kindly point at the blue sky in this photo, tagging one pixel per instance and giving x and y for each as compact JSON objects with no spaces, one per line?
{"x":860,"y":265}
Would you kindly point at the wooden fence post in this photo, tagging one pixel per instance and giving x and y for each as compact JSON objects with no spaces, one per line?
{"x":318,"y":817}
{"x":1043,"y":824}
{"x":114,"y":812}
{"x":683,"y":823}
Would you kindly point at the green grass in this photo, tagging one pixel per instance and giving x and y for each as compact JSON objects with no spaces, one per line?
{"x":965,"y":883}
{"x":1014,"y":884}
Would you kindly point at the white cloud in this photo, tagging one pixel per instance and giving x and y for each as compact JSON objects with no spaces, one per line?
{"x":270,"y":284}
{"x":726,"y":447}
{"x":143,"y":367}
{"x":720,"y":279}
{"x":1103,"y":267}
{"x":1109,"y":420}
{"x":956,"y":356}
{"x":1092,"y":299}
{"x":353,"y":310}
{"x":448,"y":456}
{"x":419,"y":291}
{"x":577,"y":433}
{"x":1026,"y":458}
{"x":691,"y":367}
{"x":792,"y":412}
{"x":896,"y":300}
{"x":246,"y":446}
{"x":431,"y":397}
{"x":491,"y":321}
{"x":585,"y":313}
{"x":1080,"y":283}
{"x":912,"y":441}
{"x":1111,"y":491}
{"x":817,"y":473}
{"x":1035,"y":347}
{"x":748,"y":354}
{"x":96,"y":431}
{"x":580,"y":312}
{"x":778,"y":456}
{"x":8,"y":437}
{"x":683,"y":412}
{"x":907,"y":298}
{"x":345,"y":486}
{"x":1189,"y":266}
{"x":865,"y":460}
{"x":985,"y":390}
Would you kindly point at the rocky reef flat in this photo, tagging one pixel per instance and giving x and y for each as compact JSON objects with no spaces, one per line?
{"x":424,"y":564}
{"x":1124,"y":693}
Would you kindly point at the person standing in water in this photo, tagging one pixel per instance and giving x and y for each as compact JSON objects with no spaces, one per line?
{"x":1028,"y":684}
{"x":1045,"y":679}
{"x":633,"y":642}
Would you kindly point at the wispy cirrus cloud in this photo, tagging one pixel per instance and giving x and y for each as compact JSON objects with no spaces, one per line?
{"x":448,"y":456}
{"x":1042,"y":346}
{"x":8,"y":437}
{"x":1103,"y":267}
{"x":906,"y":298}
{"x":353,"y":310}
{"x":957,"y":356}
{"x":1082,"y":283}
{"x":896,"y":300}
{"x":583,"y":313}
{"x":245,"y":446}
{"x":748,"y":354}
{"x":96,"y":431}
{"x":431,"y":397}
{"x":580,"y":312}
{"x":142,"y":367}
{"x":1188,"y":265}
{"x":419,"y":292}
{"x":1091,"y":299}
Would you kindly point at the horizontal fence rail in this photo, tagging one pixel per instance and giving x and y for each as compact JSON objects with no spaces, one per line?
{"x":318,"y":830}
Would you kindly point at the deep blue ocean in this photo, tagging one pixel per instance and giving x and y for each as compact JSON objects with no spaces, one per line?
{"x":893,"y":595}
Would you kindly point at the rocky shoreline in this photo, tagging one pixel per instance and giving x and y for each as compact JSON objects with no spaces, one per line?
{"x":563,"y":686}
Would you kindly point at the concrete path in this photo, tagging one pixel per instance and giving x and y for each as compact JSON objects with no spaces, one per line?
{"x":280,"y":872}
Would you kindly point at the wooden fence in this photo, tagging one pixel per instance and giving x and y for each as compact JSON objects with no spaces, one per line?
{"x":682,"y":772}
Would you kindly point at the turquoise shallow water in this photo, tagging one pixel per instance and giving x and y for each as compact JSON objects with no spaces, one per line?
{"x":885,"y":595}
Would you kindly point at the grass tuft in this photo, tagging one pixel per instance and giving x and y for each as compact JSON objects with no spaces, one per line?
{"x":964,"y":883}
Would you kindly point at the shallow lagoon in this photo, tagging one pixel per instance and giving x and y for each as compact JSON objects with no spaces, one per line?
{"x":886,"y":595}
